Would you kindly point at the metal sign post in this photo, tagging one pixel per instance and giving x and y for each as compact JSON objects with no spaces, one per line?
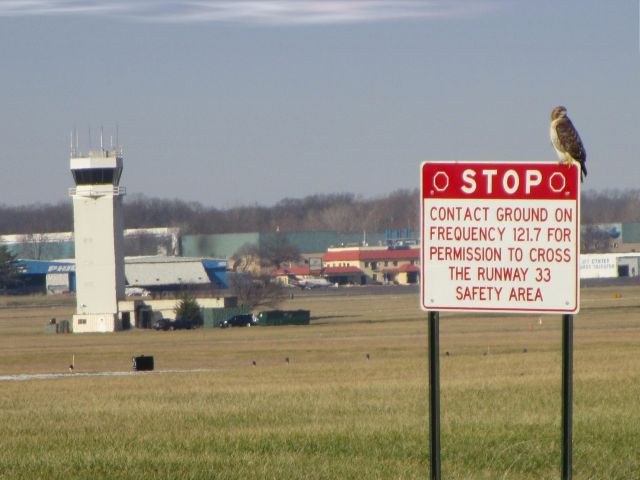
{"x":434,"y":394}
{"x":567,"y":394}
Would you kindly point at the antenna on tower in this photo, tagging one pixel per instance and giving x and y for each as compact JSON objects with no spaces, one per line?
{"x":73,"y":154}
{"x":77,"y":141}
{"x":101,"y":139}
{"x":117,"y":140}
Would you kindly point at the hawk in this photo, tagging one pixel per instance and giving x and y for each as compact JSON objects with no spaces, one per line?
{"x":566,"y":141}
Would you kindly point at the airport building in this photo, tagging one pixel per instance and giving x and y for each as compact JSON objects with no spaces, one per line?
{"x":357,"y":266}
{"x":376,"y":265}
{"x":142,"y":274}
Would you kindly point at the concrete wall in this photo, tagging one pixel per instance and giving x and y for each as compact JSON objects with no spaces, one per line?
{"x":95,"y":323}
{"x":100,"y":281}
{"x":166,"y":306}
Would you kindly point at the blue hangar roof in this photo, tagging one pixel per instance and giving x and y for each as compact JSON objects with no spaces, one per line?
{"x":145,"y":271}
{"x":42,"y":267}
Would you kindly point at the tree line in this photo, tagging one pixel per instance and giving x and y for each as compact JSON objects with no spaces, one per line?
{"x":342,"y":212}
{"x":610,"y":206}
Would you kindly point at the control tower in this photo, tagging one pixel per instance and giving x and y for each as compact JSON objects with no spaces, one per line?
{"x":97,"y":219}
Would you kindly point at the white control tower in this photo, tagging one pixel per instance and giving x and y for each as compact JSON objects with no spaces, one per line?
{"x":97,"y":219}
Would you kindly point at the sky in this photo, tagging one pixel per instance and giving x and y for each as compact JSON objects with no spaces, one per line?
{"x":244,"y":102}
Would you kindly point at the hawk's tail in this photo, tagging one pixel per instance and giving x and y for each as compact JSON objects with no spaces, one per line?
{"x":583,"y":171}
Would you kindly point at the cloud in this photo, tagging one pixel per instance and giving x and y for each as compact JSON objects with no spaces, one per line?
{"x":253,"y":12}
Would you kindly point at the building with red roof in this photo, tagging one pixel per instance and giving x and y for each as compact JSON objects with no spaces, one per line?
{"x":358,"y":266}
{"x":377,"y":264}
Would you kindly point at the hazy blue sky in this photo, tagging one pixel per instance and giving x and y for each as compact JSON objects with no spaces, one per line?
{"x":240,"y":102}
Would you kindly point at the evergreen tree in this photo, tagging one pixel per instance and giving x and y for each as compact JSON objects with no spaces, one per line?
{"x":187,"y":308}
{"x":8,"y":269}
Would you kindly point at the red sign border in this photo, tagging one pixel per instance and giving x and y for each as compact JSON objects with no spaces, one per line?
{"x":575,"y":310}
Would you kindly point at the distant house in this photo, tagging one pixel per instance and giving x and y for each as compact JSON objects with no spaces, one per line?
{"x":363,"y":265}
{"x":359,"y":266}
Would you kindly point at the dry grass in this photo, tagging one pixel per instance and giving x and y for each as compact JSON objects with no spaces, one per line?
{"x":330,"y":413}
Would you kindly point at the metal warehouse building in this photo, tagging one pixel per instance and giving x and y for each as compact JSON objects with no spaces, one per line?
{"x":168,"y":273}
{"x":151,"y":273}
{"x":225,"y":245}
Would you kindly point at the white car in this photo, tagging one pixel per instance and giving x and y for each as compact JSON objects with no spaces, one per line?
{"x":136,"y":292}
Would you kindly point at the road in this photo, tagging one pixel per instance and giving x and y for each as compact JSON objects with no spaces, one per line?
{"x":357,"y":290}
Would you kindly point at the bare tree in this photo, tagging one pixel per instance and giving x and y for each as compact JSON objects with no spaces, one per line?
{"x":271,"y":253}
{"x":36,"y":218}
{"x":595,"y":240}
{"x":254,"y":292}
{"x":246,"y":258}
{"x":343,"y":212}
{"x":610,"y":206}
{"x":33,"y":245}
{"x":276,"y":250}
{"x":142,"y":243}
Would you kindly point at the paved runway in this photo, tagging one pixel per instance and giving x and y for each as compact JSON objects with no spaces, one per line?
{"x":55,"y":376}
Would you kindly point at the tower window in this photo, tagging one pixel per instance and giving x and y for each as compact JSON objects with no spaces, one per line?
{"x":95,"y":176}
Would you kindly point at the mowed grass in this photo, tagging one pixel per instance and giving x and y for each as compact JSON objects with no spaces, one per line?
{"x":330,"y":413}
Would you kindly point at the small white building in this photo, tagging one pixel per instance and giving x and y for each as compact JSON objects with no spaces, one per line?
{"x":609,"y":265}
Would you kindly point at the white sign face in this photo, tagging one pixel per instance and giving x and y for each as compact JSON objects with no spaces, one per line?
{"x":315,"y":264}
{"x":500,"y":237}
{"x":603,"y":265}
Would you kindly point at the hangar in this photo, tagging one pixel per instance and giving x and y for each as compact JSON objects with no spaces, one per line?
{"x":174,"y":273}
{"x":154,"y":273}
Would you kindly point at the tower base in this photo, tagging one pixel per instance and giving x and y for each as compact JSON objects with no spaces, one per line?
{"x":92,"y":323}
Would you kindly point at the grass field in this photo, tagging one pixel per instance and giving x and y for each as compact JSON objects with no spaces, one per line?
{"x":330,"y":413}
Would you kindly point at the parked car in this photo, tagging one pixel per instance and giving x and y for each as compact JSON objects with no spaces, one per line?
{"x":136,"y":292}
{"x":161,"y":324}
{"x":244,"y":320}
{"x":177,"y":324}
{"x":181,"y":324}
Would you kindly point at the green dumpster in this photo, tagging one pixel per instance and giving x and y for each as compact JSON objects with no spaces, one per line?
{"x":284,"y":317}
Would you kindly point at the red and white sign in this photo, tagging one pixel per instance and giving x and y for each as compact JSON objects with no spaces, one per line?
{"x":500,"y":236}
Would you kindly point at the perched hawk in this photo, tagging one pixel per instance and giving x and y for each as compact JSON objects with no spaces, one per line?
{"x":566,"y":141}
